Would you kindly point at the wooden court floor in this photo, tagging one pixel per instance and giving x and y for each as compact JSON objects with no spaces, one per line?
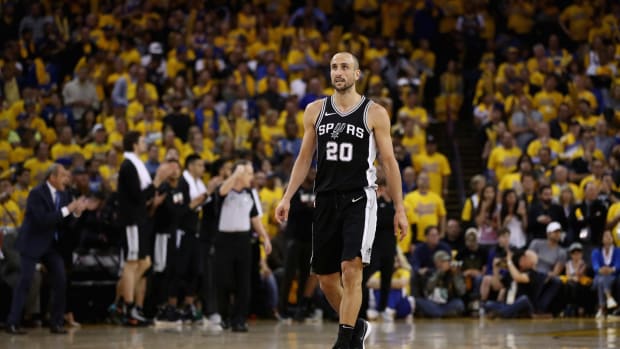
{"x":452,"y":334}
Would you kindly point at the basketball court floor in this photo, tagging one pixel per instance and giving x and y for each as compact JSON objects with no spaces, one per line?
{"x":422,"y":333}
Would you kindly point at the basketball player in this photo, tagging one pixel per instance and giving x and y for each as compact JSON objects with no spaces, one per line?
{"x":346,"y":129}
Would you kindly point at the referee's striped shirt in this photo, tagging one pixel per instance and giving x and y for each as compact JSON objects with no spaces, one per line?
{"x":237,"y":208}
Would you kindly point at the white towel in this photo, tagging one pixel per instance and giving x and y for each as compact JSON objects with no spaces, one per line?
{"x":196,"y":186}
{"x":143,"y":173}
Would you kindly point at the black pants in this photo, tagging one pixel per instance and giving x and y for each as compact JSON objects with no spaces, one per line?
{"x":207,"y":278}
{"x":233,"y":264}
{"x":182,"y":264}
{"x":56,"y":268}
{"x":297,"y":262}
{"x":382,"y":260}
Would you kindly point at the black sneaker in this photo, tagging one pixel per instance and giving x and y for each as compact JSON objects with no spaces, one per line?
{"x":240,"y":327}
{"x":360,"y":333}
{"x":190,"y":315}
{"x":168,"y":316}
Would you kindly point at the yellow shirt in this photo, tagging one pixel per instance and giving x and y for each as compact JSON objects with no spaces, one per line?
{"x":556,"y":189}
{"x":269,"y":200}
{"x":579,"y":23}
{"x":589,"y":121}
{"x":262,"y":86}
{"x":110,"y":175}
{"x":426,"y":210}
{"x":614,"y":210}
{"x":93,"y":149}
{"x":503,"y":161}
{"x":510,"y":180}
{"x":547,"y":103}
{"x":520,"y":18}
{"x":416,"y":113}
{"x":415,"y":144}
{"x":20,"y":196}
{"x":20,"y":154}
{"x":535,"y":145}
{"x":206,"y":154}
{"x":269,"y":133}
{"x":588,"y":179}
{"x":131,"y":56}
{"x":436,"y":166}
{"x":239,"y":131}
{"x":5,"y":154}
{"x":11,"y":215}
{"x":37,"y":169}
{"x":147,"y":128}
{"x":60,"y":150}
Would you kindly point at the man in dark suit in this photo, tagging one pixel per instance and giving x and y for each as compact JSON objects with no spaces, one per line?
{"x":49,"y":211}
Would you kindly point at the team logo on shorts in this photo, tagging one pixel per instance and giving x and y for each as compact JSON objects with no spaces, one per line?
{"x":338,"y":129}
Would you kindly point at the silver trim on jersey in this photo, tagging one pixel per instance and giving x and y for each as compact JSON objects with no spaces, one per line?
{"x":320,"y":118}
{"x":365,"y":118}
{"x":353,"y":110}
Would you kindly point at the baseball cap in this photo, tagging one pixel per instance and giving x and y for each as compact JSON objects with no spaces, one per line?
{"x":553,"y":226}
{"x":441,"y":256}
{"x":575,"y":246}
{"x":471,"y":232}
{"x":98,"y":127}
{"x":155,"y":48}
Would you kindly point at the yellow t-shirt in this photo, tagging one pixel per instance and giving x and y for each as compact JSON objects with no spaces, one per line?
{"x":509,"y":181}
{"x":5,"y":154}
{"x":110,"y":175}
{"x":96,"y":150}
{"x":11,"y":215}
{"x":547,"y":103}
{"x":37,"y":169}
{"x":556,"y":189}
{"x":20,"y":196}
{"x":426,"y":210}
{"x":579,"y":22}
{"x":613,"y":211}
{"x":521,"y":19}
{"x":147,"y":128}
{"x":206,"y":154}
{"x":436,"y":166}
{"x":269,"y":200}
{"x":60,"y":150}
{"x":20,"y":154}
{"x":503,"y":161}
{"x":535,"y":145}
{"x":415,"y":144}
{"x":269,"y":133}
{"x":589,"y":121}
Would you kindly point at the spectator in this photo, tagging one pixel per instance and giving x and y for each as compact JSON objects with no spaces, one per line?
{"x":606,"y":265}
{"x":503,"y":159}
{"x":487,"y":216}
{"x":513,"y":216}
{"x":542,"y":212}
{"x":80,"y":94}
{"x":435,"y":165}
{"x":578,"y":282}
{"x":496,"y":268}
{"x":523,"y":276}
{"x":454,"y":238}
{"x":551,"y":261}
{"x":443,"y":290}
{"x":473,"y":263}
{"x":425,"y":209}
{"x":422,"y":260}
{"x":590,"y":218}
{"x":477,"y":183}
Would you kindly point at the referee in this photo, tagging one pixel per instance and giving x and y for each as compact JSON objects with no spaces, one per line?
{"x":240,"y":211}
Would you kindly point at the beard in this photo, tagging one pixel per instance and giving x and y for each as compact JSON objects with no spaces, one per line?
{"x":346,"y":86}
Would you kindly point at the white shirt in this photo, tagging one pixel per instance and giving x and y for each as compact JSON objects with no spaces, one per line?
{"x":64,"y":210}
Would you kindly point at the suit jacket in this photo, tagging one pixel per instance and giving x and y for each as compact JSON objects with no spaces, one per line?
{"x":538,"y":230}
{"x":41,"y":221}
{"x":595,"y":221}
{"x":131,"y":199}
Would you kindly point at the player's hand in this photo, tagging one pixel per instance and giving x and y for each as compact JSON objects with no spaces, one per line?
{"x":401,"y":225}
{"x":282,"y":211}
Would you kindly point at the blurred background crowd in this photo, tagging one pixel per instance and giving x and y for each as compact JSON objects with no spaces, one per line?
{"x":519,"y":99}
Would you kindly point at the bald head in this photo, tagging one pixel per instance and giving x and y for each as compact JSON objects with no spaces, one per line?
{"x":346,"y":57}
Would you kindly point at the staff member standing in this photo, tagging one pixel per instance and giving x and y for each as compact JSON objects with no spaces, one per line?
{"x":49,"y":211}
{"x":240,"y":212}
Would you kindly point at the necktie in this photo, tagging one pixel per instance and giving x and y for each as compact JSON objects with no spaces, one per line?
{"x":57,"y":205}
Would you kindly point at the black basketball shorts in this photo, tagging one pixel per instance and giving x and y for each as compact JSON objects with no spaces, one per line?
{"x":138,"y":242}
{"x":343,"y":228}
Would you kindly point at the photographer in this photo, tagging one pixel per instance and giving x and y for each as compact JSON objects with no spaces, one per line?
{"x":444,"y":289}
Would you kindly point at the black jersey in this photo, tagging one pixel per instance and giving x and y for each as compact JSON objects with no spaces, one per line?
{"x":346,"y":148}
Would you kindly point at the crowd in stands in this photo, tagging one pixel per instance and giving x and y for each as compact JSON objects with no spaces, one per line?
{"x":229,"y":80}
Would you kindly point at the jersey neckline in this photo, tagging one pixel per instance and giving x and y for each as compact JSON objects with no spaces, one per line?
{"x":353,"y":110}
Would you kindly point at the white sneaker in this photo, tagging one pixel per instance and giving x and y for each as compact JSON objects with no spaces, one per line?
{"x":372,"y":314}
{"x":411,"y":301}
{"x":213,"y":323}
{"x":388,"y":315}
{"x":611,"y":303}
{"x":599,"y":315}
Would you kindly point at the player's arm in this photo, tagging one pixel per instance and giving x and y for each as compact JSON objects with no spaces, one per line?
{"x":379,"y":122}
{"x":304,"y":159}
